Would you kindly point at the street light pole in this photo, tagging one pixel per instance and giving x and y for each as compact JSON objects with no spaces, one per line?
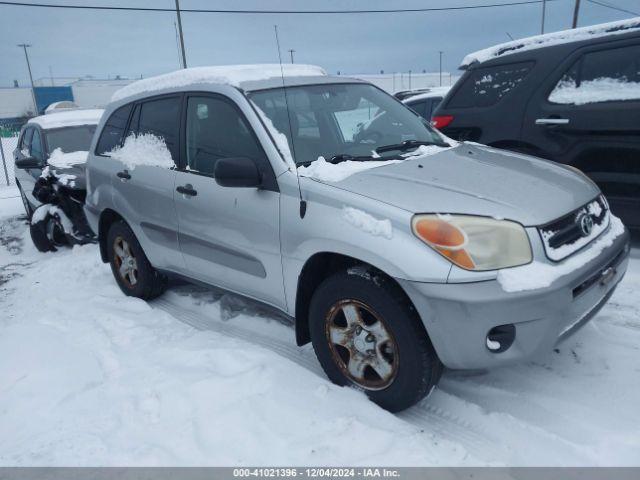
{"x":440,"y":52}
{"x":544,"y":10}
{"x":576,"y":10}
{"x":184,"y":56}
{"x":33,"y":92}
{"x":291,"y":52}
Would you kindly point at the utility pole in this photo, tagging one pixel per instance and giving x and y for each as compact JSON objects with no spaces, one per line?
{"x":33,"y":92}
{"x":440,"y":52}
{"x":184,"y":56}
{"x":291,"y":52}
{"x":576,"y":10}
{"x":544,"y":10}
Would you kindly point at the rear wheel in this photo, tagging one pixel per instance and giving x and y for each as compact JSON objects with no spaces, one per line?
{"x":132,"y":270}
{"x":366,"y":333}
{"x":47,"y":234}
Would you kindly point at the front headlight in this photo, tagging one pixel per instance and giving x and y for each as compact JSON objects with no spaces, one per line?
{"x":474,"y":243}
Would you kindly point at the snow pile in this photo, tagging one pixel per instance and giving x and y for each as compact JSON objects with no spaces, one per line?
{"x":200,"y":377}
{"x":541,"y":275}
{"x":66,"y":179}
{"x":425,"y":151}
{"x":329,"y":172}
{"x":548,"y":39}
{"x":69,"y":118}
{"x":229,"y":74}
{"x":367,"y":223}
{"x":143,"y":150}
{"x":60,"y":159}
{"x":592,"y":91}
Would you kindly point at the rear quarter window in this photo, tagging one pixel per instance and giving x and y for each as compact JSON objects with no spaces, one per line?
{"x":113,"y":131}
{"x":485,"y":87}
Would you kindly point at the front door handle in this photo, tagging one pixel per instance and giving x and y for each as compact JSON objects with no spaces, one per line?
{"x":552,"y":121}
{"x":187,"y":190}
{"x":124,"y":175}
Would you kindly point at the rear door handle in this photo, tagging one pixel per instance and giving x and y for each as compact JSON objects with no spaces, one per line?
{"x":124,"y":175}
{"x":552,"y":121}
{"x":187,"y":190}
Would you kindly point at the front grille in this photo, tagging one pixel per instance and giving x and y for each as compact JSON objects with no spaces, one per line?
{"x":566,"y":235}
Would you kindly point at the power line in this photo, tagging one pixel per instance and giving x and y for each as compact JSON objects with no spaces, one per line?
{"x":295,"y":12}
{"x":613,"y":7}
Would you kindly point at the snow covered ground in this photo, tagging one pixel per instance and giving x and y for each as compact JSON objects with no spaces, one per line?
{"x":202,"y":377}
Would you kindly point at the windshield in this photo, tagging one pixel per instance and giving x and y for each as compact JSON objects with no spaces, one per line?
{"x":344,"y":120}
{"x":70,"y":139}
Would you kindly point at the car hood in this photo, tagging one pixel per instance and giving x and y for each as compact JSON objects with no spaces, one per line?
{"x":476,"y":180}
{"x":76,"y":173}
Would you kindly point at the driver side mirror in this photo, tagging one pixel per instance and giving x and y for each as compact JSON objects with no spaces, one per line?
{"x":28,"y":162}
{"x":237,"y":172}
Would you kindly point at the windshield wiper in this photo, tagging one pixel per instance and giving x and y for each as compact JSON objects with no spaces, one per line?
{"x":408,"y":144}
{"x":345,"y":157}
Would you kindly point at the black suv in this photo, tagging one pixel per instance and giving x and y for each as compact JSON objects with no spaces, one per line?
{"x":572,"y":97}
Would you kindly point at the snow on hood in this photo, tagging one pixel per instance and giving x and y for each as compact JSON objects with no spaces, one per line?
{"x":329,"y":172}
{"x":68,"y":118}
{"x":548,"y":39}
{"x":228,"y":74}
{"x":143,"y":150}
{"x":367,"y":223}
{"x":476,"y":180}
{"x":60,"y":159}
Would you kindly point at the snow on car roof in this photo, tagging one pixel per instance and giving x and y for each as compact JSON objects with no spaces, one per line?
{"x":229,"y":74}
{"x":68,"y":118}
{"x":434,"y":92}
{"x":549,"y":39}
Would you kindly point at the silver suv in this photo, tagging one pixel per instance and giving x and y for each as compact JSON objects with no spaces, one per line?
{"x":396,"y":250}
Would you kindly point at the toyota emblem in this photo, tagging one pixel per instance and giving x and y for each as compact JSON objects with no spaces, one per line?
{"x":586,"y":224}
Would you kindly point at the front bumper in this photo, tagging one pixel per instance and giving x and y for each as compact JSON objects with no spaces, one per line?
{"x":459,"y":316}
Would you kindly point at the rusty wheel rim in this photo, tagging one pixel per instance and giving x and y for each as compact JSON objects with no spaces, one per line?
{"x":361,"y":344}
{"x":126,"y":263}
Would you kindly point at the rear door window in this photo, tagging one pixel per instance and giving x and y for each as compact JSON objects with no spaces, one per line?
{"x":485,"y":87}
{"x":420,"y":107}
{"x":601,"y":76}
{"x":113,"y":131}
{"x":161,"y":118}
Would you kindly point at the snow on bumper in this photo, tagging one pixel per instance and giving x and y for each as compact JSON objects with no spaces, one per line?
{"x":459,"y":316}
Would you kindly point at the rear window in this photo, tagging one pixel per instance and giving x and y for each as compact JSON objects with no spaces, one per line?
{"x":71,"y":139}
{"x":113,"y":130}
{"x":485,"y":87}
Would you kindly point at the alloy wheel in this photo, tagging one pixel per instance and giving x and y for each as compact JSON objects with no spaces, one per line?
{"x":125,"y":261}
{"x":361,"y":344}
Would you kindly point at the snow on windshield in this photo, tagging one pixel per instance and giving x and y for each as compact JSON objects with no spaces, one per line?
{"x":230,"y":75}
{"x":541,"y":275}
{"x":143,"y":150}
{"x":593,"y":91}
{"x":60,"y":159}
{"x":555,"y":38}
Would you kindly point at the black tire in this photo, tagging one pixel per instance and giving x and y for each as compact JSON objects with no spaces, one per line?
{"x":413,"y":358}
{"x":149,"y":283}
{"x":25,"y":203}
{"x":39,"y":237}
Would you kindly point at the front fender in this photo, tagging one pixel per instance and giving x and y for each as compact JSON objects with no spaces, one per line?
{"x":327,"y":228}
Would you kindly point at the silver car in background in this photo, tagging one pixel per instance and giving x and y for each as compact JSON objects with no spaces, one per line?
{"x":396,"y":250}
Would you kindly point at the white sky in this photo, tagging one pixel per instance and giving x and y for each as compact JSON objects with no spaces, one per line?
{"x":107,"y":43}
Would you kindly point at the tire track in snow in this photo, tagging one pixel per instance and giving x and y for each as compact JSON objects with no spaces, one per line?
{"x":435,"y":420}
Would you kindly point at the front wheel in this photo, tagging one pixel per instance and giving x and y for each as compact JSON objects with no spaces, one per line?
{"x":366,"y":333}
{"x":46,"y":229}
{"x":130,"y":266}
